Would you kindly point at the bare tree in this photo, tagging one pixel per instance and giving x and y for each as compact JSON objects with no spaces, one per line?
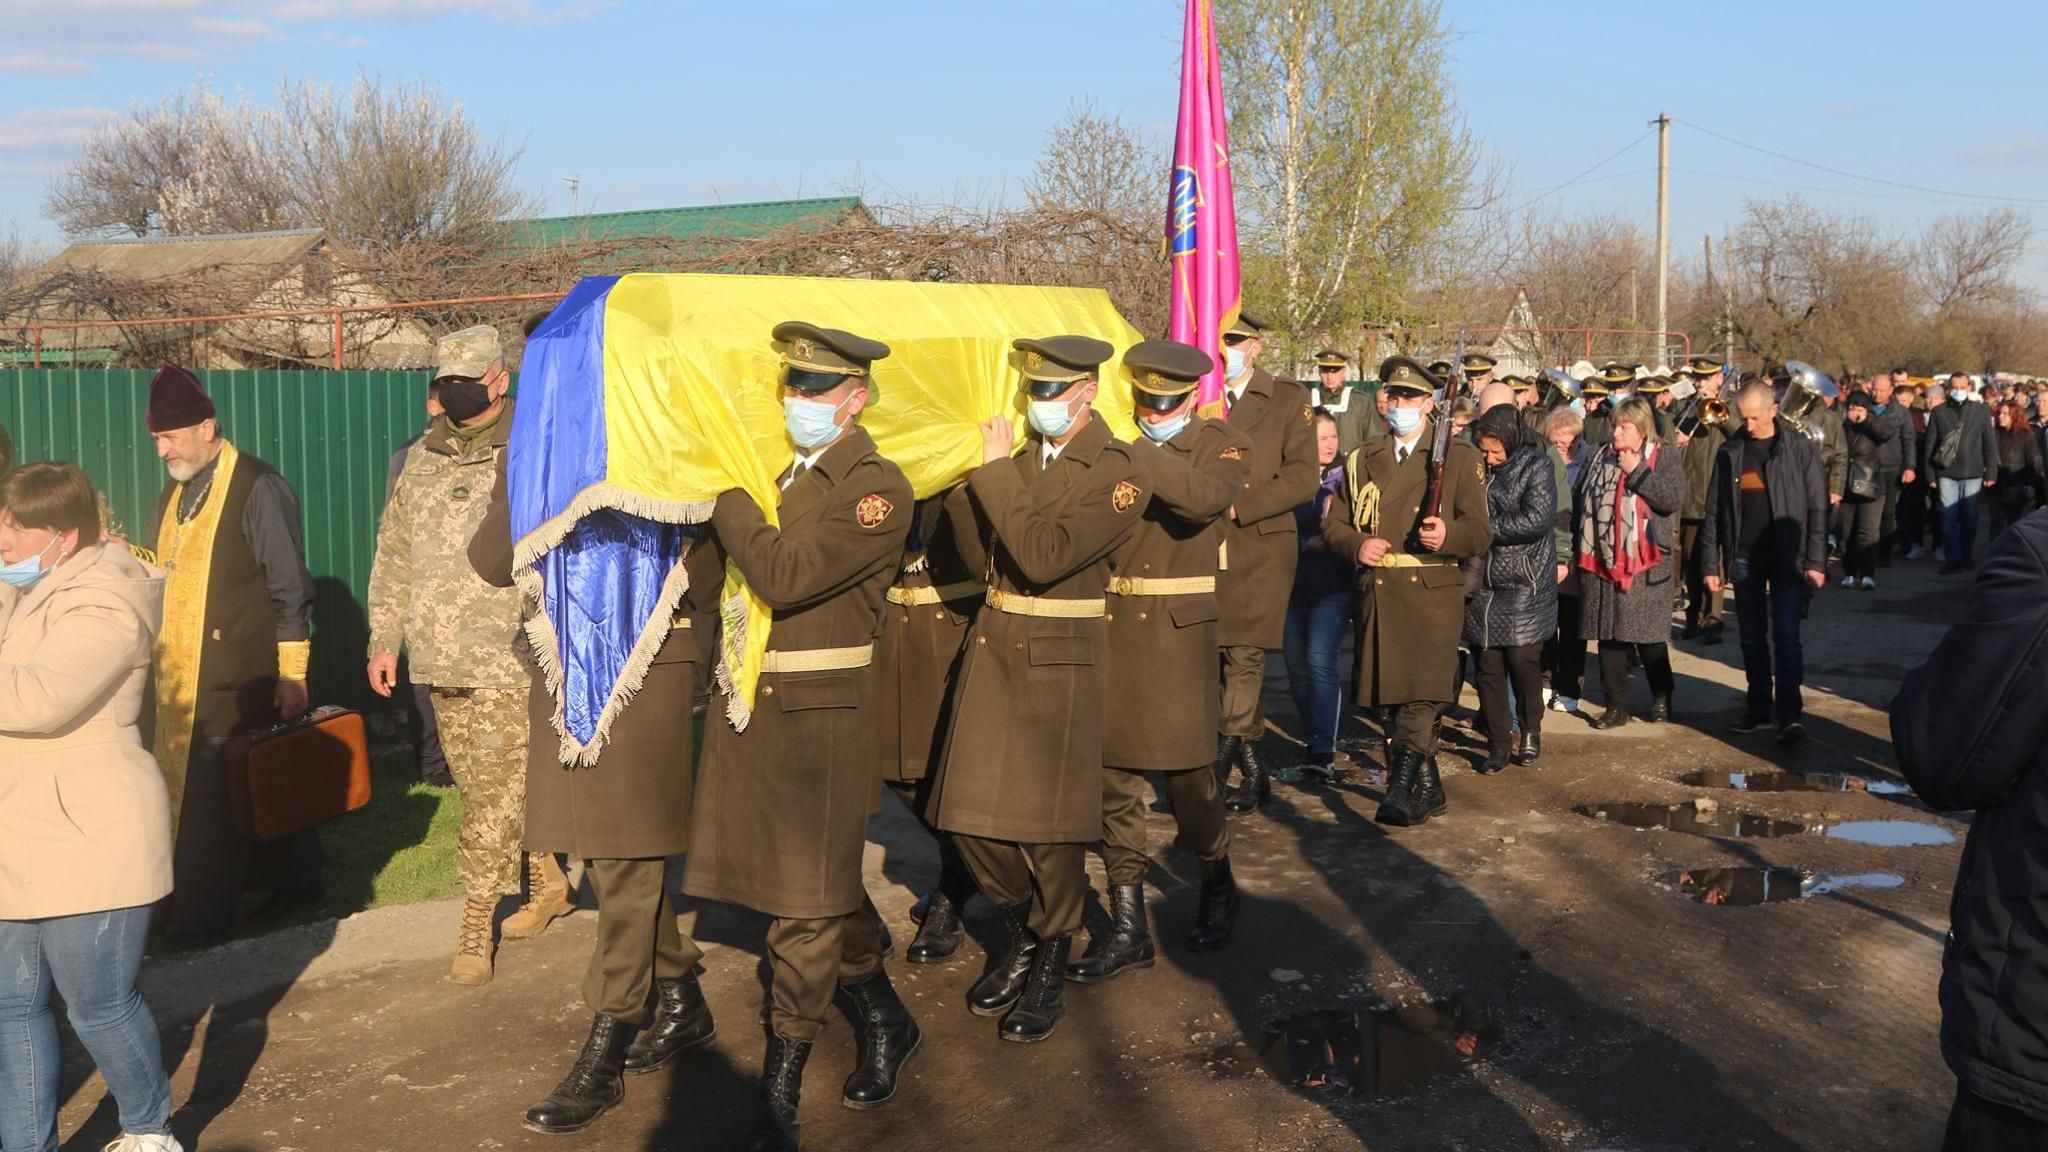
{"x":390,"y":166}
{"x":189,"y":164}
{"x":1969,"y":258}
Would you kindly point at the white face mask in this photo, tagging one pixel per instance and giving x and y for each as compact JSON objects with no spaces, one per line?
{"x":1050,"y":418}
{"x":1233,"y":362}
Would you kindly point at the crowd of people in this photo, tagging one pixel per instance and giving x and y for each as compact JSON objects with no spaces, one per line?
{"x":958,"y":649}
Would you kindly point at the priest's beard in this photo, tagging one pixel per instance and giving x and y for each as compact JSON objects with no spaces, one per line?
{"x":183,"y":472}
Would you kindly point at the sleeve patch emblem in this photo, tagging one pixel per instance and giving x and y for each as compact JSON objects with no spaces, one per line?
{"x":1123,"y":496}
{"x":1233,"y":453}
{"x":1308,"y":416}
{"x":872,"y":510}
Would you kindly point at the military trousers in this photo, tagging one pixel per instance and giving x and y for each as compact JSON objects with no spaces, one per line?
{"x":1244,"y":678}
{"x":1415,"y":724}
{"x":1197,"y":808}
{"x":483,"y":732}
{"x":1702,"y":608}
{"x":1051,"y":878}
{"x":637,"y":939}
{"x":808,"y":961}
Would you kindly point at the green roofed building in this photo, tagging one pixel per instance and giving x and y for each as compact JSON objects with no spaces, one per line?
{"x":686,"y":231}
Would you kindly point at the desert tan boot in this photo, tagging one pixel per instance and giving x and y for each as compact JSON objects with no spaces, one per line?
{"x":547,"y":898}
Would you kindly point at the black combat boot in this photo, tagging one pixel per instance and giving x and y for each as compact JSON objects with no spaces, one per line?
{"x":595,"y":1083}
{"x":682,"y":1020}
{"x":939,"y":926}
{"x":888,"y":1039}
{"x":1000,"y":986}
{"x":1254,"y":788}
{"x":1660,"y":708}
{"x":782,"y":1086}
{"x":1128,"y":944}
{"x":1038,"y":1011}
{"x":1226,"y":756}
{"x":1415,"y":790}
{"x":1216,"y":912}
{"x":1614,"y":717}
{"x":1531,"y":749}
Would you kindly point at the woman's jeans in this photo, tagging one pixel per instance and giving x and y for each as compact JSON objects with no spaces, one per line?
{"x":1315,"y":631}
{"x":92,"y":960}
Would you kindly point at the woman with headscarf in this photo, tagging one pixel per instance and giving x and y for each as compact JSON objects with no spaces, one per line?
{"x":1511,"y":606}
{"x":1628,"y":495}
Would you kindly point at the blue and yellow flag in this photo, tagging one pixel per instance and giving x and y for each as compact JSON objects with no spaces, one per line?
{"x":643,"y":397}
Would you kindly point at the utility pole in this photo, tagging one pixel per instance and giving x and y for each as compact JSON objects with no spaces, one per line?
{"x":1728,"y":298}
{"x":1663,"y":124}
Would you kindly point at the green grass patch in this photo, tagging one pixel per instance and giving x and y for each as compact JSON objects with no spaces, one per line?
{"x":400,"y":849}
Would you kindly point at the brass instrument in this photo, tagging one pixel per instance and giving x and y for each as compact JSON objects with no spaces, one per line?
{"x":1706,"y":413}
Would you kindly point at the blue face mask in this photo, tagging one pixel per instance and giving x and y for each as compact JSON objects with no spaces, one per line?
{"x":1404,"y":421}
{"x":1233,"y":362}
{"x":1167,"y":429}
{"x":810,"y":422}
{"x":25,"y":572}
{"x":1050,"y":418}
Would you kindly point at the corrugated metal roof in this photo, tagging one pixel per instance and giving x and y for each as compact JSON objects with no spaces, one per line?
{"x":708,"y":221}
{"x":153,"y":257}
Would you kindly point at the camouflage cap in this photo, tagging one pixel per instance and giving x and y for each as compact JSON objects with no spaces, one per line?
{"x":468,"y":353}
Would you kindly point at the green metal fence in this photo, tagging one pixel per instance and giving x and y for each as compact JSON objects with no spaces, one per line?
{"x":330,"y":433}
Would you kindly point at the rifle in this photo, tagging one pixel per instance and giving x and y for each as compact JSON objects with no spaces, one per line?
{"x":1440,"y":443}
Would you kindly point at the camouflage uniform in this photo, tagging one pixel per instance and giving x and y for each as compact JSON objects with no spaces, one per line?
{"x":461,"y":633}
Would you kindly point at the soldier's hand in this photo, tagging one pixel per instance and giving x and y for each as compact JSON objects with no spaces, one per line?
{"x":997,"y":437}
{"x":383,"y":672}
{"x":1713,"y":583}
{"x":1431,"y":533}
{"x":1563,"y":571}
{"x":1906,"y":477}
{"x":291,"y":699}
{"x":1834,"y":498}
{"x":1373,"y":551}
{"x":1816,"y":580}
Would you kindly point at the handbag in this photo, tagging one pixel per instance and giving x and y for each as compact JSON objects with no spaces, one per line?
{"x":291,"y":777}
{"x":1863,"y":484}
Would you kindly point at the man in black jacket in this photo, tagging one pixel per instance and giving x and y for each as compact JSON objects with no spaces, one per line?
{"x":1766,"y":524}
{"x":1898,"y":457}
{"x":1973,"y":468}
{"x":1971,"y":729}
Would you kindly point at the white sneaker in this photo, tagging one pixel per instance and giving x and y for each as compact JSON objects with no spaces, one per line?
{"x":1564,"y":704}
{"x":1915,"y":552}
{"x":1848,"y":581}
{"x":130,"y":1143}
{"x":1869,"y":585}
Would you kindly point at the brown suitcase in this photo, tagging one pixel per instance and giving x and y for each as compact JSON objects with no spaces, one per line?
{"x":294,"y":776}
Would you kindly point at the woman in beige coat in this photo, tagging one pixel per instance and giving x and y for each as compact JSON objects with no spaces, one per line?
{"x":85,"y":822}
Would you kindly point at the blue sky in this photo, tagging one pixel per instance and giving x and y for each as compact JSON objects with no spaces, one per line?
{"x":656,"y":104}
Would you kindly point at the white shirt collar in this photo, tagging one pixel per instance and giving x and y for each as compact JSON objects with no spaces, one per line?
{"x":803,"y":460}
{"x":1404,"y":447}
{"x":1049,"y":452}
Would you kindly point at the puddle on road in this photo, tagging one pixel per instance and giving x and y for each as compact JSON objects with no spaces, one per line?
{"x":1379,"y":1053}
{"x":1749,"y":887}
{"x":1793,"y":782}
{"x":1695,"y":819}
{"x":1892,"y":833}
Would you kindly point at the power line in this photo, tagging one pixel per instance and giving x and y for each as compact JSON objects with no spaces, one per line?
{"x":1949,"y":192}
{"x":1618,"y":153}
{"x":1812,"y":188}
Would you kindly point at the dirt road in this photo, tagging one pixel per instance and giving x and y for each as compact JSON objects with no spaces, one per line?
{"x":1629,"y":1016}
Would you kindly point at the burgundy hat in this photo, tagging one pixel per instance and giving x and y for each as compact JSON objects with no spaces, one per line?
{"x":176,"y":400}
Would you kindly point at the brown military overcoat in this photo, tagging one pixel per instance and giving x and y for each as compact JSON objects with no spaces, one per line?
{"x":634,"y":802}
{"x":782,"y":808}
{"x":1023,"y":758}
{"x":1261,"y":548}
{"x":1162,"y":649}
{"x":1409,"y":618}
{"x":919,"y":649}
